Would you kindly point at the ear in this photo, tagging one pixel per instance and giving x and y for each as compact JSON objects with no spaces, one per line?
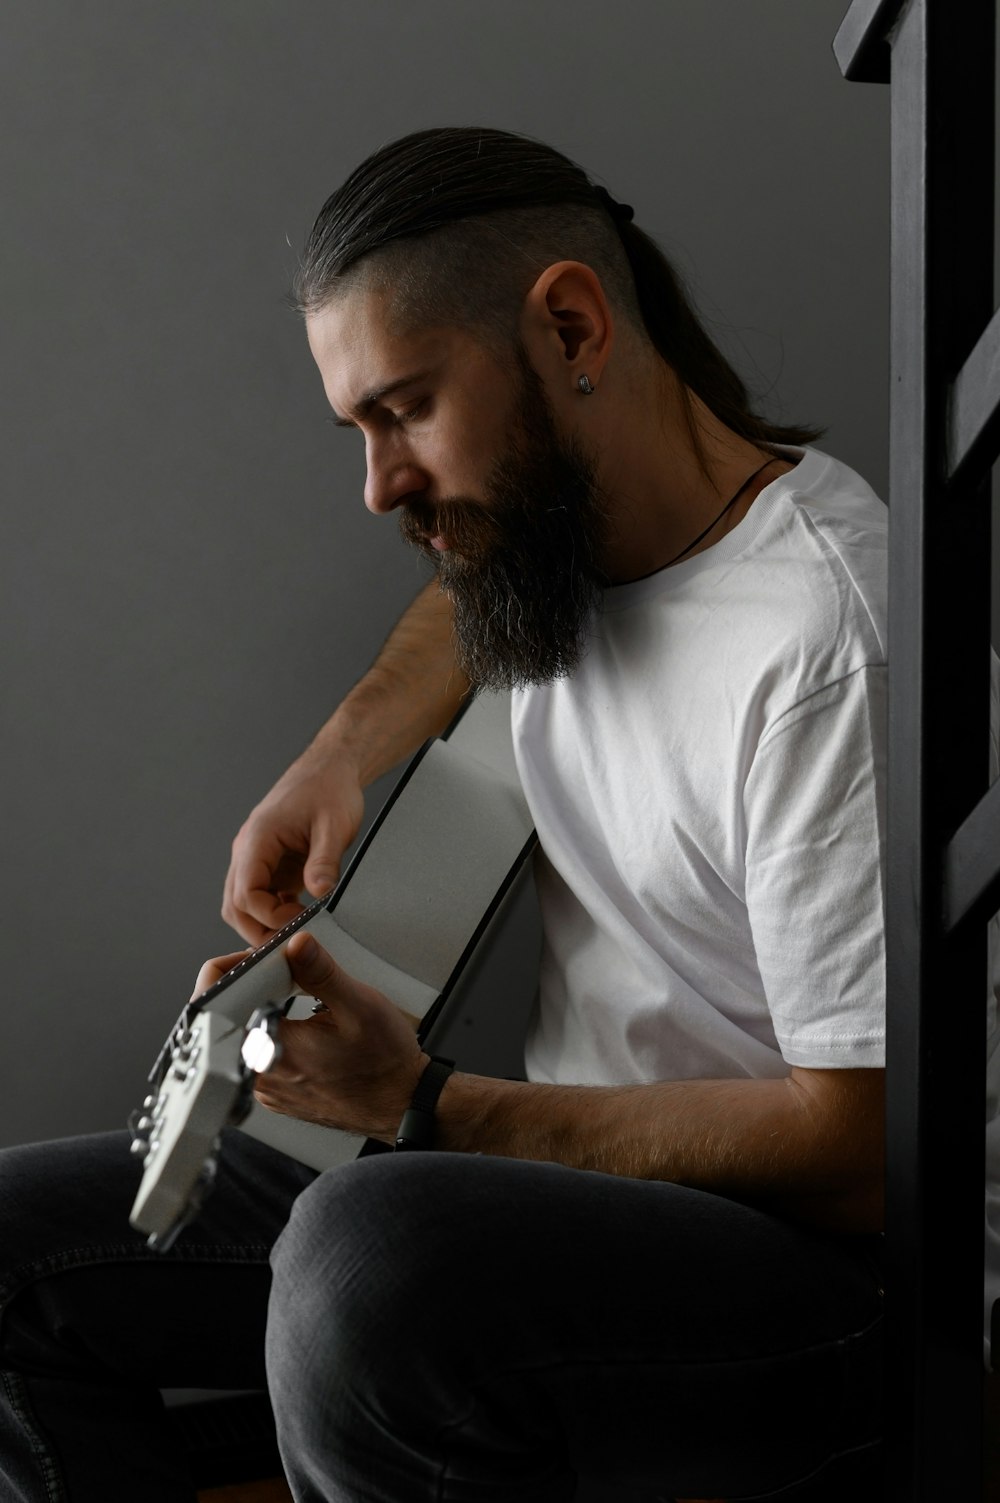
{"x":568,"y":326}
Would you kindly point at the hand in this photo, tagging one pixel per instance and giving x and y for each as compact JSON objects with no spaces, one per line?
{"x":214,"y":970}
{"x":354,"y":1066}
{"x":294,"y":839}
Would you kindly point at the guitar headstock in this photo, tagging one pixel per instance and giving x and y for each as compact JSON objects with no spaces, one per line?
{"x":198,"y":1085}
{"x":203,"y":1086}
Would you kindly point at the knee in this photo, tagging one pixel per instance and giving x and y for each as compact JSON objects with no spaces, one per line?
{"x":368,"y":1232}
{"x":328,"y":1307}
{"x":340,"y":1262}
{"x":353,"y":1268}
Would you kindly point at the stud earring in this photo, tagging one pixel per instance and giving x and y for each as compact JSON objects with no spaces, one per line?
{"x":586,"y":387}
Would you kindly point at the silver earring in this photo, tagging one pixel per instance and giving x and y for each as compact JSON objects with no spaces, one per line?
{"x":586,"y":387}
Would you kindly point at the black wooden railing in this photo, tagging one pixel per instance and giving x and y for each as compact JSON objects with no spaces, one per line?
{"x":944,"y":827}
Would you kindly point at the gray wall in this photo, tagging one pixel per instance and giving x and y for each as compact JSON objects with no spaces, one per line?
{"x":189,"y":577}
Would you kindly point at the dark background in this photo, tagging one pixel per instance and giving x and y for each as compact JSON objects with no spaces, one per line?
{"x":190,"y":579}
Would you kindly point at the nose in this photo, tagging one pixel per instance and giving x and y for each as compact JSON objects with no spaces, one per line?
{"x":391,"y":478}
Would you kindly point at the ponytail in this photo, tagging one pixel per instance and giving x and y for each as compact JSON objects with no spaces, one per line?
{"x":681,"y":339}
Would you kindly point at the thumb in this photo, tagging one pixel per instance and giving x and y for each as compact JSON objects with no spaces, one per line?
{"x":320,"y":873}
{"x":314,"y":969}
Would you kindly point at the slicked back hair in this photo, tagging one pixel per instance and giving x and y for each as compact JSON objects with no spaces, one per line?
{"x":458,"y":223}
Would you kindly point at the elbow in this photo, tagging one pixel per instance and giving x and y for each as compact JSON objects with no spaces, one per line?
{"x":844,"y":1115}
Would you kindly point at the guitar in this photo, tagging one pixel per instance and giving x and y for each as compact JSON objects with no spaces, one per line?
{"x":418,"y":907}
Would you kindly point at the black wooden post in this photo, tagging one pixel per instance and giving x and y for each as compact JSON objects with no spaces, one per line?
{"x":938,"y":57}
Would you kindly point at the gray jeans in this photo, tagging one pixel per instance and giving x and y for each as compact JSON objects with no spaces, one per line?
{"x":456,"y":1328}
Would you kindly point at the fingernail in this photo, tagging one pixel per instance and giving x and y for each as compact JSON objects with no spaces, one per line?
{"x":307,"y":948}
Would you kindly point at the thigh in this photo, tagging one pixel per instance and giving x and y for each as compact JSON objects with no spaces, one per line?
{"x":93,"y":1323}
{"x":660,"y":1336}
{"x":65,"y":1208}
{"x":66,"y":1204}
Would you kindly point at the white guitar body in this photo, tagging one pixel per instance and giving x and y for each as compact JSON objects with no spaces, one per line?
{"x":413,"y":916}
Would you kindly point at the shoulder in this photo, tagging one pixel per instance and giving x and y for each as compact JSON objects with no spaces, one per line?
{"x":836,"y":529}
{"x":818,"y":567}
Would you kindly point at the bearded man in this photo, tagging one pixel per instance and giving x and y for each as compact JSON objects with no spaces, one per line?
{"x":655,"y":1261}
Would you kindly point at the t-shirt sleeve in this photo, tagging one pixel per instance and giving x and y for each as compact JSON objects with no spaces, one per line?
{"x":814,"y":801}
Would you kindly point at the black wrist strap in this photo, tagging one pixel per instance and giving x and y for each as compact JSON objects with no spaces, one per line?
{"x":416,"y":1130}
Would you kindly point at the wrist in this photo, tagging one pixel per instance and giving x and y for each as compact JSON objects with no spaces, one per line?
{"x":417,"y":1127}
{"x":367,"y":733}
{"x":341,"y":743}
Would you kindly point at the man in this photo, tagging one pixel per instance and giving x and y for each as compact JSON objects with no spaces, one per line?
{"x":654,"y":1261}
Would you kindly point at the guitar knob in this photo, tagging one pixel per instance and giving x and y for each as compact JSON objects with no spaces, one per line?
{"x":140,"y":1126}
{"x":259,"y":1050}
{"x":139,"y":1148}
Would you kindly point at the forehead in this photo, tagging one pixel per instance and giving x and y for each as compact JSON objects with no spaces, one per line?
{"x":360,"y":349}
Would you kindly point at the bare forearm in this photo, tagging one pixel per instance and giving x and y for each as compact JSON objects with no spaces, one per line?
{"x":764,"y":1141}
{"x":808,"y":1146}
{"x":412,"y":691}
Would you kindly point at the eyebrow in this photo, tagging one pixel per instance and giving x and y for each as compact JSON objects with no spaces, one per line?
{"x":378,"y":394}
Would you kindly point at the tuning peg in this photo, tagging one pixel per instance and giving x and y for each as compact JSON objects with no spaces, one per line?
{"x":261,"y":1048}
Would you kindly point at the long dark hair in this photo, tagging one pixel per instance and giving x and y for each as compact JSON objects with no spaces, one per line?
{"x":459,"y":221}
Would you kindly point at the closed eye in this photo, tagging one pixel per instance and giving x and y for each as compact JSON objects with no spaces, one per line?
{"x":396,"y":417}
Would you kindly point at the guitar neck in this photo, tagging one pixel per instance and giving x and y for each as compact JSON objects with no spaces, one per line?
{"x":425,"y":888}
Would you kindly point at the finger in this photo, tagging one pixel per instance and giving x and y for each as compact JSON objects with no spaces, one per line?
{"x":315,"y":970}
{"x":248,"y":928}
{"x":232,"y":911}
{"x":273,"y":910}
{"x":257,"y":880}
{"x":253,"y":907}
{"x":214,"y":970}
{"x":236,"y":917}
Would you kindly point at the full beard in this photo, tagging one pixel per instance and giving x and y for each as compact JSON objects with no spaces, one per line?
{"x":522,"y":567}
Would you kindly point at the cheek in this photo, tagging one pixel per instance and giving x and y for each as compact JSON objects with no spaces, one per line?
{"x":463,"y":451}
{"x":456,"y":468}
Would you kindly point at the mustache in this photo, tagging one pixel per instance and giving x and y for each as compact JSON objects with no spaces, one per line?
{"x":468,"y":527}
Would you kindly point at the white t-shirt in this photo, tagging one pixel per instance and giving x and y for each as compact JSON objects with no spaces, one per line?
{"x":708,"y":790}
{"x":708,"y":794}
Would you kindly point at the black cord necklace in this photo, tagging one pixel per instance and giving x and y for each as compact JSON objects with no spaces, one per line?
{"x":728,"y":506}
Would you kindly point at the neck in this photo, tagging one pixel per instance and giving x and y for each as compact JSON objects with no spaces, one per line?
{"x":668,"y":467}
